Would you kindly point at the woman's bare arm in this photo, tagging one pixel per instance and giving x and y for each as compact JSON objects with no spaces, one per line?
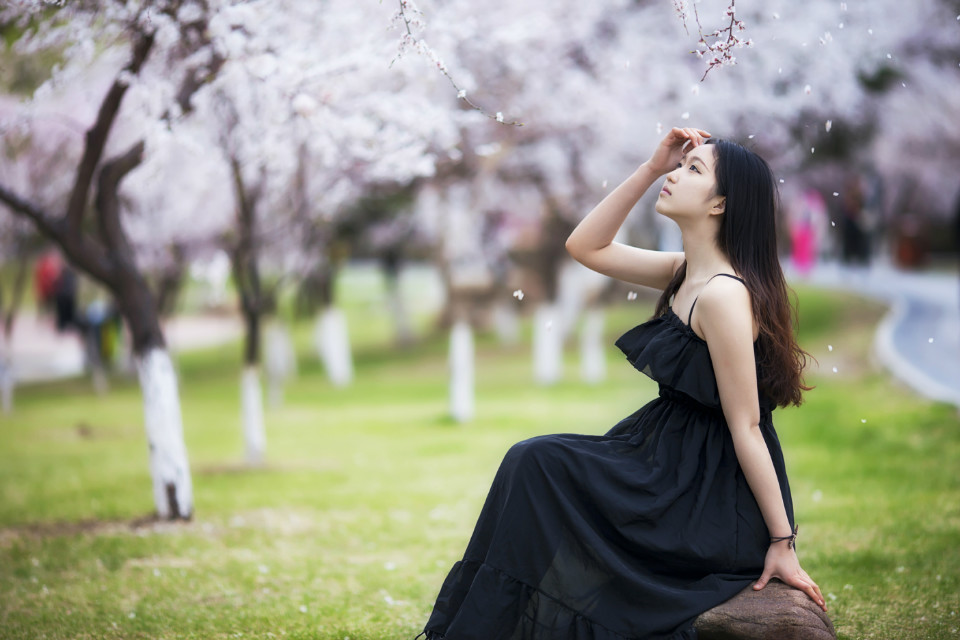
{"x":591,"y":243}
{"x":725,"y":319}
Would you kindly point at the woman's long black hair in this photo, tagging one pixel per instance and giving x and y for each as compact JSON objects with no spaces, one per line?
{"x":748,"y":238}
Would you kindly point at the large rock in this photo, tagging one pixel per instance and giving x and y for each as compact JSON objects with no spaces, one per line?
{"x":776,"y":612}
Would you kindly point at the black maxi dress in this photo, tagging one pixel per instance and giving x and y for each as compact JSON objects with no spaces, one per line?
{"x":623,"y":536}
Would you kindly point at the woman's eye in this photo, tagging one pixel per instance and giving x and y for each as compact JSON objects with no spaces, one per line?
{"x":693,"y":167}
{"x":679,"y":164}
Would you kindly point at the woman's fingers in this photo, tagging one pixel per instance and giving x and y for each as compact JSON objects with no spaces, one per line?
{"x":809,"y":587}
{"x":816,"y":588}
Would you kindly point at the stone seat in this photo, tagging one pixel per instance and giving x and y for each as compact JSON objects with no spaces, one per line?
{"x":776,"y":612}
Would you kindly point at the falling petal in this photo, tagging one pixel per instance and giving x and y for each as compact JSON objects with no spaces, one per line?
{"x":836,"y":193}
{"x":829,"y":347}
{"x":518,"y":294}
{"x":632,"y":295}
{"x":303,"y":608}
{"x":834,"y":369}
{"x":828,"y":125}
{"x":929,"y":340}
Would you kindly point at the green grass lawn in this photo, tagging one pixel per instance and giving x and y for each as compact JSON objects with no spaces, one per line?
{"x":369,"y":494}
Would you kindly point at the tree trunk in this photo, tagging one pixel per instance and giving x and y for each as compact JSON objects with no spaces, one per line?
{"x":172,"y":487}
{"x":506,"y":324}
{"x":251,"y":403}
{"x":390,"y":262}
{"x":251,"y":391}
{"x":8,"y":379}
{"x":461,"y":372}
{"x":402,"y":327}
{"x":169,"y":469}
{"x":593,"y":365}
{"x":280,"y":361}
{"x":547,"y":346}
{"x":333,"y":345}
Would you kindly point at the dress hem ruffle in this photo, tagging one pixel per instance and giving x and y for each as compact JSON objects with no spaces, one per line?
{"x":584,"y":629}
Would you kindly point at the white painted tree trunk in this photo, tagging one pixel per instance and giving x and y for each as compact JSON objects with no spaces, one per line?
{"x":280,"y":361}
{"x":169,"y":469}
{"x":7,"y":383}
{"x":461,"y":372}
{"x":593,"y":365}
{"x":403,"y":328}
{"x":547,"y":346}
{"x":333,"y":345}
{"x":506,"y":324}
{"x":251,"y":403}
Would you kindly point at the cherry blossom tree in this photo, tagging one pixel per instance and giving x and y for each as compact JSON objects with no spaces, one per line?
{"x":104,"y":153}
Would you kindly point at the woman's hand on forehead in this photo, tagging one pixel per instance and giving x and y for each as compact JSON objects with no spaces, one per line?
{"x":674,"y":146}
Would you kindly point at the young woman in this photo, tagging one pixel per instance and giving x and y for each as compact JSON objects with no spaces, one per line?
{"x":684,"y":503}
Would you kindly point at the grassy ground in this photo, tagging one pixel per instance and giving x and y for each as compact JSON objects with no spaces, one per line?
{"x":370,"y":493}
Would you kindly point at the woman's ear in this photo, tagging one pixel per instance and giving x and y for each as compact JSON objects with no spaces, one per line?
{"x":719,"y":206}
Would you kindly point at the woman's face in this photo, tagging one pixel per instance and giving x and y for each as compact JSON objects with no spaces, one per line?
{"x":690,"y":190}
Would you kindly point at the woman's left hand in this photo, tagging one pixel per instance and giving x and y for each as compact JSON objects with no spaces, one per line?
{"x":782,"y":563}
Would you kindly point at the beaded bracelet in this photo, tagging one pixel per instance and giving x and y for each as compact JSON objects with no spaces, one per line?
{"x":792,"y":544}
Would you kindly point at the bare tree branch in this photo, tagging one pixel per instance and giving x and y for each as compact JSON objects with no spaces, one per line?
{"x":96,"y":137}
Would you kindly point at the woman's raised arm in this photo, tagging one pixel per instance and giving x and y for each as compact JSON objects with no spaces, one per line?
{"x":591,"y":243}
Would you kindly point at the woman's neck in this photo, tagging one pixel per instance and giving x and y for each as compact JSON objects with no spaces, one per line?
{"x":704,"y":258}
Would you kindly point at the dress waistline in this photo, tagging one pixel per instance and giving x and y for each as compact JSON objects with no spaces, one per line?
{"x":673,"y":395}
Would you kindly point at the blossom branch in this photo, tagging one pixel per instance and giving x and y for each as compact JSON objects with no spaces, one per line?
{"x":409,"y":16}
{"x":724,"y":41}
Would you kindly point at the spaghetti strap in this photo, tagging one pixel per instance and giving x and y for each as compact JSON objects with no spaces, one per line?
{"x":690,"y":315}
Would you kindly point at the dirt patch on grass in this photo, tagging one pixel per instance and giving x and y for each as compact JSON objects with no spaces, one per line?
{"x":138,"y":526}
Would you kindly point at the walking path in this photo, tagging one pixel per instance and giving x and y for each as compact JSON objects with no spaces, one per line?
{"x":39,"y":353}
{"x":919,"y":339}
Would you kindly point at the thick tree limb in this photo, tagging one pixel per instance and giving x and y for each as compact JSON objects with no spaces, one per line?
{"x":96,"y":138}
{"x":81,"y":250}
{"x":21,"y":206}
{"x":108,"y":202}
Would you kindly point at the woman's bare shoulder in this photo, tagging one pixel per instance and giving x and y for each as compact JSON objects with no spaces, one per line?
{"x":724,"y":304}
